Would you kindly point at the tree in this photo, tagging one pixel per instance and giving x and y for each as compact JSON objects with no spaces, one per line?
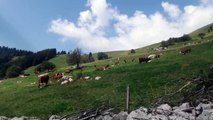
{"x":102,"y":55}
{"x":46,"y":65}
{"x":132,"y":51}
{"x":13,"y":71}
{"x":201,"y":35}
{"x":164,"y":44}
{"x":75,"y":57}
{"x":63,"y":52}
{"x":91,"y":59}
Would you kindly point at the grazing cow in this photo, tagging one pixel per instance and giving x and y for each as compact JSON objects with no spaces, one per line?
{"x":58,"y":76}
{"x":117,"y":62}
{"x":157,"y":56}
{"x":185,"y":50}
{"x":154,"y":56}
{"x":106,"y":67}
{"x":26,"y":74}
{"x":43,"y":80}
{"x":98,"y":69}
{"x":144,"y":59}
{"x":67,"y":70}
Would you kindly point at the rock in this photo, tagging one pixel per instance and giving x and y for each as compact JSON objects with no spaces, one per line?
{"x":3,"y":118}
{"x":98,"y":78}
{"x":87,"y":77}
{"x":184,"y":106}
{"x":176,"y":118}
{"x":211,"y":68}
{"x":137,"y":114}
{"x":55,"y":117}
{"x":159,"y":117}
{"x":107,"y":117}
{"x":205,"y":106}
{"x":180,"y":113}
{"x":164,"y":109}
{"x":174,"y":108}
{"x":122,"y":115}
{"x":144,"y":109}
{"x":64,"y":82}
{"x":206,"y":115}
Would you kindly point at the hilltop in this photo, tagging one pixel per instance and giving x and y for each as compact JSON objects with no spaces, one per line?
{"x":21,"y":96}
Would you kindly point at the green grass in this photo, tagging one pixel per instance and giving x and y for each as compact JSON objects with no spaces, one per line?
{"x":204,"y":29}
{"x":147,"y":81}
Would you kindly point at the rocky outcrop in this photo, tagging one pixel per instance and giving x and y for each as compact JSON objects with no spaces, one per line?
{"x":203,"y":111}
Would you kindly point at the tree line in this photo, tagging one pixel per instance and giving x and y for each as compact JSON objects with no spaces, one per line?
{"x":172,"y":41}
{"x":13,"y":61}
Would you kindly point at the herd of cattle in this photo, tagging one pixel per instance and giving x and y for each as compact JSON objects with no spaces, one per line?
{"x":44,"y":78}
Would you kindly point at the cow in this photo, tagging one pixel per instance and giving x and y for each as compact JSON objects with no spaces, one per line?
{"x":157,"y":56}
{"x":58,"y":76}
{"x":154,"y":56}
{"x":185,"y":50}
{"x":43,"y":80}
{"x":98,"y":69}
{"x":68,"y":70}
{"x":26,"y":74}
{"x":117,"y":62}
{"x":106,"y":67}
{"x":144,"y":59}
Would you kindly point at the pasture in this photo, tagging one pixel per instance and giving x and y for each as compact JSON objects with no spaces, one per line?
{"x":21,"y":96}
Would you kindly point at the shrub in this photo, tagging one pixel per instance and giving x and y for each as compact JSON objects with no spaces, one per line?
{"x":132,"y":51}
{"x":13,"y":71}
{"x":102,"y":56}
{"x":46,"y":65}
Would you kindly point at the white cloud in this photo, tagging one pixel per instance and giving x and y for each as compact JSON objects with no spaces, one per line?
{"x":91,"y":32}
{"x":171,"y":9}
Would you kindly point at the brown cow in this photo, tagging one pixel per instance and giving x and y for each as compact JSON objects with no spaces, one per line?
{"x":144,"y":59}
{"x":117,"y":62}
{"x":43,"y":80}
{"x":26,"y":74}
{"x":58,"y":76}
{"x":185,"y":50}
{"x":98,"y":69}
{"x":106,"y":67}
{"x":68,"y":70}
{"x":157,"y":56}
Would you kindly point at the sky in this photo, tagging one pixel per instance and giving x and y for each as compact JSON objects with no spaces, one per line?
{"x":98,"y":25}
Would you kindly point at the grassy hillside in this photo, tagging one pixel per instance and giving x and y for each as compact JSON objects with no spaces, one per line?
{"x":204,"y":29}
{"x":21,"y":96}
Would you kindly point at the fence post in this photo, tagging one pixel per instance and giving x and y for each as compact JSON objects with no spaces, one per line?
{"x":127,"y":98}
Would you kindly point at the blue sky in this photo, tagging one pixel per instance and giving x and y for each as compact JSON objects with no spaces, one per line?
{"x":116,"y":25}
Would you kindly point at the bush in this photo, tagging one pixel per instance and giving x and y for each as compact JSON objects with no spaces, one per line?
{"x":45,"y":66}
{"x":86,"y":59}
{"x":102,"y":56}
{"x":13,"y":71}
{"x":132,"y":51}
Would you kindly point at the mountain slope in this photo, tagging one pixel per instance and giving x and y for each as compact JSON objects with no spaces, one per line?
{"x":21,"y":96}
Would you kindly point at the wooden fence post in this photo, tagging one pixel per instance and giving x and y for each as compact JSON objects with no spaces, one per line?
{"x":127,"y":98}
